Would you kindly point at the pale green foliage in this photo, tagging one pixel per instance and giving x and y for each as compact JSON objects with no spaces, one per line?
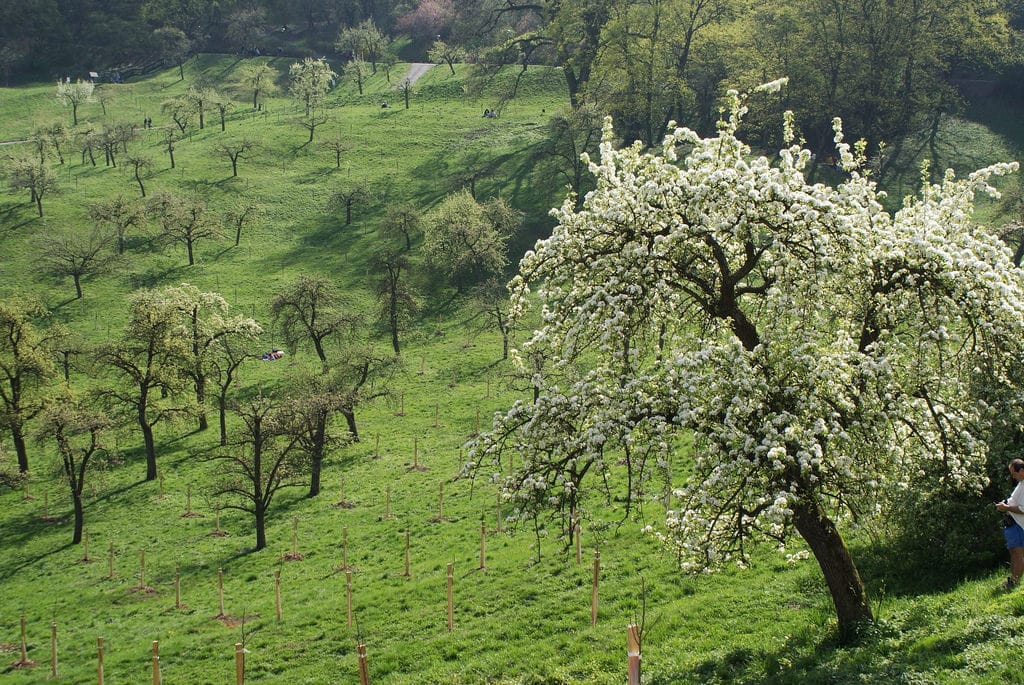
{"x":74,"y":94}
{"x":821,"y":353}
{"x":466,"y":240}
{"x":310,"y":80}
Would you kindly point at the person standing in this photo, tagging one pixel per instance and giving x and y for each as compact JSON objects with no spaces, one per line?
{"x":1013,"y":527}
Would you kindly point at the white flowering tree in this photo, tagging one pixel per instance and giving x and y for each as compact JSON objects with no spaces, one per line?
{"x":817,"y":351}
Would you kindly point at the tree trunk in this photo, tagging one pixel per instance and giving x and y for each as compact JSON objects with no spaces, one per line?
{"x":201,"y":401}
{"x":76,"y":498}
{"x":261,"y":527}
{"x":147,"y":438}
{"x":191,"y":257}
{"x":18,"y":435}
{"x":350,"y":419}
{"x":841,"y":575}
{"x":78,"y":284}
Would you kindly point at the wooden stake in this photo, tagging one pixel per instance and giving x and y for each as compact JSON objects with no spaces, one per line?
{"x":415,"y":453}
{"x":277,"y":593}
{"x":239,"y":664}
{"x":295,"y":536}
{"x":451,"y":608}
{"x":348,"y":596}
{"x":344,"y":548}
{"x":111,"y":560}
{"x":483,"y":544}
{"x":440,"y":503}
{"x":633,"y":653}
{"x":579,"y":548}
{"x":99,"y":661}
{"x":364,"y":670}
{"x":476,"y":423}
{"x":53,"y":649}
{"x":156,"y":662}
{"x":142,"y":569}
{"x":161,"y":486}
{"x":488,"y":388}
{"x":436,"y":410}
{"x":376,"y":449}
{"x":188,"y":500}
{"x":407,"y":574}
{"x":24,"y":643}
{"x":85,"y":542}
{"x":46,"y":504}
{"x":177,"y":586}
{"x":220,"y":591}
{"x":387,"y":501}
{"x":501,"y":519}
{"x":401,"y":405}
{"x":593,"y":592}
{"x":423,"y":364}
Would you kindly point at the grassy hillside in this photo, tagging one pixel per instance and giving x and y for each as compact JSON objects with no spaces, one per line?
{"x":525,"y":617}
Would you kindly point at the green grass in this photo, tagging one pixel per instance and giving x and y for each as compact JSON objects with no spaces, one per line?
{"x":521,"y":620}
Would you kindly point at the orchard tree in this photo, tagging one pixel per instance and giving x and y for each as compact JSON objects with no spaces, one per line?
{"x":140,"y":166}
{"x":337,"y":145}
{"x":360,"y":376}
{"x":181,"y":110}
{"x":147,"y":364}
{"x":366,"y":43}
{"x":200,"y":99}
{"x":397,"y":305}
{"x":120,"y":214}
{"x":316,"y":399}
{"x":356,"y":70}
{"x":401,"y":221}
{"x":173,"y":45}
{"x":182,"y":221}
{"x":823,"y":355}
{"x":77,"y":255}
{"x":238,"y":217}
{"x":261,"y":461}
{"x":259,"y":78}
{"x":313,"y":119}
{"x":77,"y":428}
{"x":245,"y":26}
{"x":225,"y":360}
{"x":311,"y":309}
{"x":26,"y":366}
{"x":570,"y":133}
{"x":346,"y":198}
{"x":449,"y":54}
{"x":38,"y":178}
{"x":234,"y":150}
{"x":310,"y":80}
{"x":466,"y":240}
{"x":491,"y":299}
{"x":205,"y":321}
{"x":74,"y":94}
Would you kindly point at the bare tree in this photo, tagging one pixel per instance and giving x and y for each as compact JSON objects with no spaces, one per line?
{"x":401,"y":221}
{"x":260,"y":462}
{"x":238,"y":217}
{"x":311,"y":309}
{"x":312,"y":120}
{"x":77,"y":255}
{"x":182,"y":221}
{"x":121,"y":214}
{"x":140,"y":165}
{"x":397,"y":304}
{"x":234,"y":150}
{"x":308,"y":415}
{"x":337,"y":145}
{"x":348,"y":197}
{"x":39,"y":179}
{"x":227,"y":357}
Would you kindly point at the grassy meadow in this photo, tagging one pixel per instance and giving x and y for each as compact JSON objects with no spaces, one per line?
{"x":523,"y":616}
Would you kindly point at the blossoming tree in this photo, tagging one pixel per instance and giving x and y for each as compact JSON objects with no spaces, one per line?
{"x":816,"y":351}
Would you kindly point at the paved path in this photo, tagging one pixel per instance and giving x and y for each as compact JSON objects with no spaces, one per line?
{"x":417,"y":69}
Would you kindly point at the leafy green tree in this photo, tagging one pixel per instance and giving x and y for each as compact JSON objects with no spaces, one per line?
{"x":174,"y":46}
{"x":441,"y":52}
{"x":570,"y":134}
{"x":226,"y":357}
{"x":181,"y":110}
{"x":244,"y":27}
{"x":259,"y":78}
{"x":466,"y":240}
{"x":77,"y":428}
{"x":74,"y":94}
{"x":823,"y":355}
{"x":396,"y":301}
{"x":365,"y":41}
{"x":401,"y":221}
{"x":312,"y":404}
{"x":310,"y":81}
{"x":147,"y":364}
{"x":26,"y":366}
{"x":356,"y":70}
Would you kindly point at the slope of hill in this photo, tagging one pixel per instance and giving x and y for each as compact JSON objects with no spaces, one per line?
{"x":166,"y":563}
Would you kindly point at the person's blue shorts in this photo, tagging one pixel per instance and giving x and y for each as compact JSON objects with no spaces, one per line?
{"x":1014,"y":536}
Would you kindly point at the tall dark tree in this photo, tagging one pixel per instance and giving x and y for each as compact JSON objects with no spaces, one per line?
{"x":77,"y":255}
{"x":311,"y":309}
